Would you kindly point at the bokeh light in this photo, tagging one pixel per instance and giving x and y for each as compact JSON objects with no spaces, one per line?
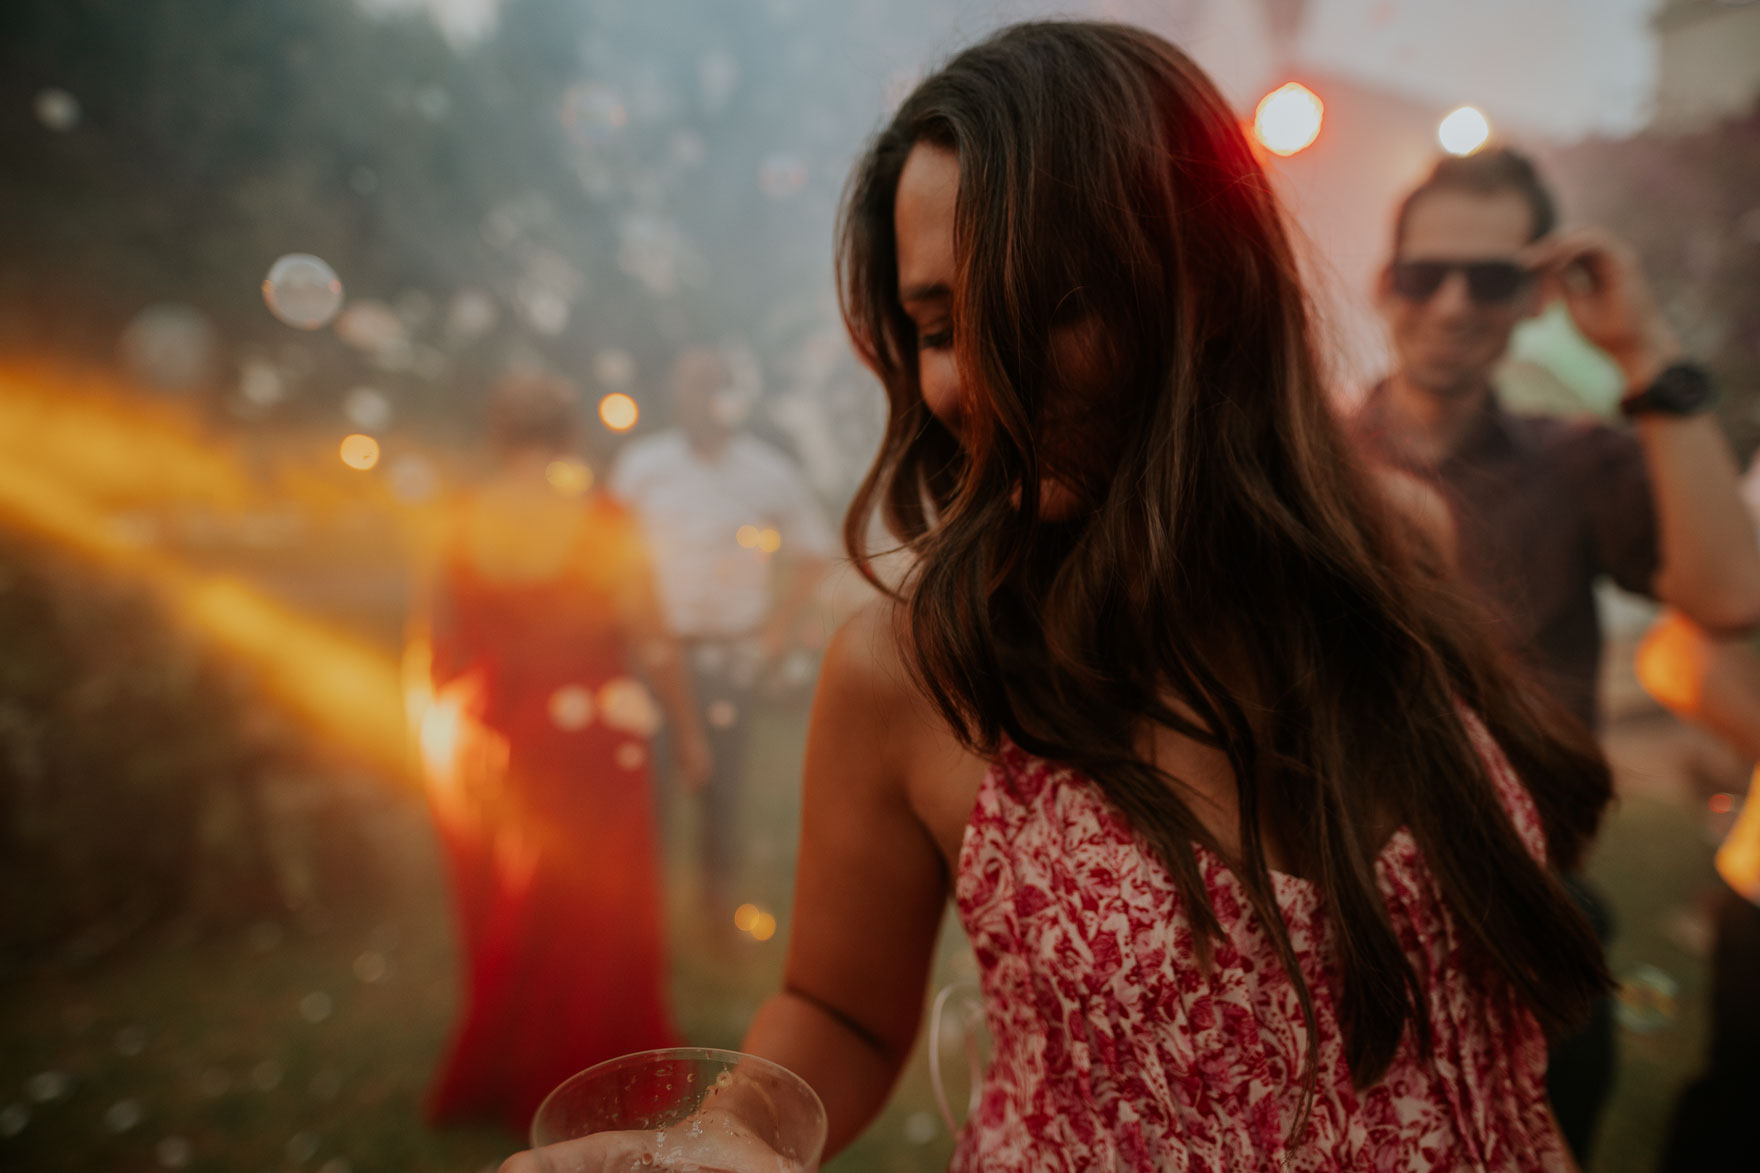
{"x":745,"y":916}
{"x":367,"y":408}
{"x":359,"y":451}
{"x":722,"y":714}
{"x":765,"y":928}
{"x":1722,"y":804}
{"x":631,"y":755}
{"x":769,"y":540}
{"x":568,"y":476}
{"x":303,"y":291}
{"x":747,"y":536}
{"x":614,"y":367}
{"x":571,"y":708}
{"x":1464,"y":131}
{"x":1288,"y":118}
{"x":627,"y":706}
{"x":618,"y":412}
{"x":57,"y":109}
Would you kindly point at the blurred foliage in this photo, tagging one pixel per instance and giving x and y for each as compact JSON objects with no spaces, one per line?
{"x":144,"y":783}
{"x":650,"y":171}
{"x":1689,"y":203}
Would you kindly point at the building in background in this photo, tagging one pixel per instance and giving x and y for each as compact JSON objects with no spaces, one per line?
{"x":1709,"y":57}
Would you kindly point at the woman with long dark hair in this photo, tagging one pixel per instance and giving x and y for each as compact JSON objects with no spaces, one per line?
{"x":1249,"y":829}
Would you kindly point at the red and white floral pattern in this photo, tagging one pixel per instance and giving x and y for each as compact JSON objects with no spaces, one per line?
{"x":1114,"y":1051}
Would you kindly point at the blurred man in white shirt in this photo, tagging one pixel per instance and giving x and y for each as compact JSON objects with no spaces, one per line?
{"x":739,"y":546}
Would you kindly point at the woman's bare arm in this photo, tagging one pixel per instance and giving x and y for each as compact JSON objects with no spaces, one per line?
{"x":870,"y":887}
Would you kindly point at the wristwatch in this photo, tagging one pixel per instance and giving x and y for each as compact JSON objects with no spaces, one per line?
{"x":1681,"y":389}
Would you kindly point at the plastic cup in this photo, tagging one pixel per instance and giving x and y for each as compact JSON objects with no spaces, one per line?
{"x":660,"y":1092}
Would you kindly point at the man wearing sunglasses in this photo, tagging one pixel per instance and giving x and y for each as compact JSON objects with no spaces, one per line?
{"x":1543,"y":507}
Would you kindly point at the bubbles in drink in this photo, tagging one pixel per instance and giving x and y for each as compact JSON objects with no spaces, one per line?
{"x":302,"y":291}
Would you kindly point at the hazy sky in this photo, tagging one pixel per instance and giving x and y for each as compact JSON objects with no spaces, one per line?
{"x":1560,"y":67}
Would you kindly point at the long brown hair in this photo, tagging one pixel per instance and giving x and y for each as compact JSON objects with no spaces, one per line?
{"x":1229,"y":552}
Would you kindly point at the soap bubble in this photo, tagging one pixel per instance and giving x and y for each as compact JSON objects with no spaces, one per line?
{"x":57,"y":109}
{"x":367,"y":408}
{"x":781,"y":175}
{"x":592,"y":113}
{"x":169,"y":346}
{"x":614,"y":367}
{"x":123,"y":1115}
{"x":302,"y":291}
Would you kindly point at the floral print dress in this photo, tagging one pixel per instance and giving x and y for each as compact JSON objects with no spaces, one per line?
{"x":1113,"y":1050}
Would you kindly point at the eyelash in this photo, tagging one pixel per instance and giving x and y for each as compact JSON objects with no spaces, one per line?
{"x":935,"y":341}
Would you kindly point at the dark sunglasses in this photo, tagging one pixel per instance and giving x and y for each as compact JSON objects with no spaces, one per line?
{"x":1488,"y":282}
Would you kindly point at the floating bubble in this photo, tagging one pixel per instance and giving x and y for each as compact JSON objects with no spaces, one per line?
{"x":359,"y":451}
{"x":131,"y":1040}
{"x":571,"y":708}
{"x":1647,"y":1000}
{"x":169,"y":346}
{"x":56,"y":109}
{"x":569,"y":477}
{"x":630,"y":756}
{"x":413,"y":479}
{"x":369,"y":326}
{"x":260,"y":383}
{"x":471,"y":315}
{"x":123,"y":1115}
{"x":301,"y":1147}
{"x":722,"y":714}
{"x":614,"y":367}
{"x":173,"y":1152}
{"x":215,"y":1082}
{"x":920,"y":1128}
{"x":45,"y":1086}
{"x":326,"y":1085}
{"x":316,"y":1006}
{"x":302,"y":291}
{"x":593,"y":113}
{"x":367,"y":408}
{"x":433,"y":103}
{"x":13,"y":1118}
{"x":717,"y":77}
{"x":627,"y":706}
{"x":266,"y":1076}
{"x":546,"y":310}
{"x":618,"y":412}
{"x":782,"y":175}
{"x":371,"y":967}
{"x":687,"y":149}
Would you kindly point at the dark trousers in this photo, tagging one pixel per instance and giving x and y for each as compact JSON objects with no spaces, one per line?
{"x":1579,"y":1073}
{"x":1714,"y":1124}
{"x":722,"y":676}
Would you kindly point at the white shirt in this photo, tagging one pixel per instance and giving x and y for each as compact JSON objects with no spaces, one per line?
{"x":693,"y":509}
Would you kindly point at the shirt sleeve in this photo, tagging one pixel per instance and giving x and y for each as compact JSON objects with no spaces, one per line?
{"x":1613,"y":484}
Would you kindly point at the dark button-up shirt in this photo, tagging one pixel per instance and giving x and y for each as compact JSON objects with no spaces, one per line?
{"x":1542,"y":507}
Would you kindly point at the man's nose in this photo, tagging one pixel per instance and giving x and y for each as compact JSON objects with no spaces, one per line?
{"x":1452,"y":298}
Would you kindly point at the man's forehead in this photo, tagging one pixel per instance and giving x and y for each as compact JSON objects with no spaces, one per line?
{"x":1466,"y":225}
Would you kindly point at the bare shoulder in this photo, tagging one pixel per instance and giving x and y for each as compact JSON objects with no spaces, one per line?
{"x":864,"y":664}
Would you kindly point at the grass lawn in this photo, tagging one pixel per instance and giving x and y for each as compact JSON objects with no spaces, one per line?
{"x":308,"y":1044}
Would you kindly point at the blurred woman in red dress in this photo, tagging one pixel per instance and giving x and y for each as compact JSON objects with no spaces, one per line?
{"x":534,"y":743}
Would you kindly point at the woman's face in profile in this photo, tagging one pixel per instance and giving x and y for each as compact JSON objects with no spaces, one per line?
{"x":922,"y":224}
{"x":923,"y":228}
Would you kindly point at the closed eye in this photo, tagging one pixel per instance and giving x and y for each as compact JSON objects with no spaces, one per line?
{"x":938,"y":340}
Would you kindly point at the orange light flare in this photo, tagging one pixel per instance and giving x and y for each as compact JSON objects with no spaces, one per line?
{"x":72,"y":453}
{"x":1671,"y":664}
{"x":1288,"y":119}
{"x":618,"y":412}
